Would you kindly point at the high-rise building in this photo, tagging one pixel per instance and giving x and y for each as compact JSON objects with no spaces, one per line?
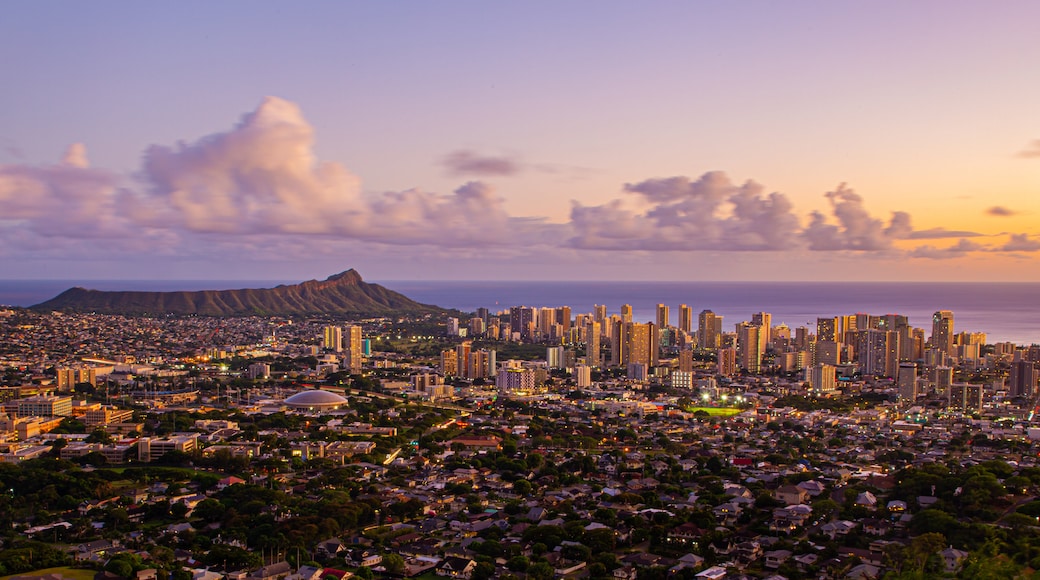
{"x":749,"y":347}
{"x":452,"y":326}
{"x":355,"y":348}
{"x":515,"y":378}
{"x":727,"y":362}
{"x":66,"y":379}
{"x":709,"y":330}
{"x":685,"y":318}
{"x":1023,"y":379}
{"x":546,"y":320}
{"x":764,"y":321}
{"x":823,"y":379}
{"x":641,"y":343}
{"x":826,"y":352}
{"x":801,"y":338}
{"x":592,"y":348}
{"x":583,"y":376}
{"x":626,"y":313}
{"x":599,"y":313}
{"x":686,"y":361}
{"x":966,"y":397}
{"x":521,"y":318}
{"x":827,"y":329}
{"x":333,"y":339}
{"x":907,"y":382}
{"x":480,"y":364}
{"x":449,"y":363}
{"x":662,"y":316}
{"x":563,"y":318}
{"x":942,"y":331}
{"x":878,"y":352}
{"x":618,"y":345}
{"x":634,"y":342}
{"x":942,"y":378}
{"x":554,"y":357}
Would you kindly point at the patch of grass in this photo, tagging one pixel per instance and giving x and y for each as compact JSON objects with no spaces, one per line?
{"x":65,"y":571}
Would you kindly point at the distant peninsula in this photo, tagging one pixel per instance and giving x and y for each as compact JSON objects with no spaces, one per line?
{"x":342,"y":294}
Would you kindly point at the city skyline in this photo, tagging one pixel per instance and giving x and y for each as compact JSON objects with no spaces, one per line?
{"x":672,"y":141}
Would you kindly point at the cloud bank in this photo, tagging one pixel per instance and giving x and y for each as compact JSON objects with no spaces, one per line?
{"x":258,"y":188}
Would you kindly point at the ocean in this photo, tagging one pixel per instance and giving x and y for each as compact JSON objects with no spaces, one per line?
{"x":1005,"y":311}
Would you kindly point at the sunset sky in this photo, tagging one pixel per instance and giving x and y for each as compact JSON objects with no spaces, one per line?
{"x":604,"y":140}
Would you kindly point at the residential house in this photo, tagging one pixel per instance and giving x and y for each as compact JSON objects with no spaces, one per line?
{"x":358,"y":557}
{"x":275,"y":571}
{"x":453,"y":567}
{"x":776,"y":558}
{"x":791,"y":494}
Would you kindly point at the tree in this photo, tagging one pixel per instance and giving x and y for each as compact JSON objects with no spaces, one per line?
{"x":923,"y":547}
{"x":540,"y":571}
{"x":522,"y":487}
{"x":210,"y":510}
{"x":120,"y":568}
{"x":365,"y":573}
{"x":393,"y":563}
{"x":518,"y":563}
{"x":600,"y":540}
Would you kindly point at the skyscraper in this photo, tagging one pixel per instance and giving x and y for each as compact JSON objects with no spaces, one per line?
{"x":709,"y":328}
{"x":520,"y":320}
{"x":907,"y":382}
{"x":1022,"y":382}
{"x":727,"y":362}
{"x":626,"y":313}
{"x":823,"y":379}
{"x":686,"y":361}
{"x":592,"y":334}
{"x":662,"y":316}
{"x":685,"y":318}
{"x":764,"y":321}
{"x":878,"y":352}
{"x":634,"y":342}
{"x":462,"y":351}
{"x":332,"y":339}
{"x":827,"y":329}
{"x":563,"y":317}
{"x":355,"y":348}
{"x":942,"y":331}
{"x":749,"y":347}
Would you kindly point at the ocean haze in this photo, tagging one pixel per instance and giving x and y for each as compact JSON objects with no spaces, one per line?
{"x":1005,"y":311}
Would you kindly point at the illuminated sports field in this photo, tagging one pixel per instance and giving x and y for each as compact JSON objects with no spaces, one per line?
{"x":716,"y":411}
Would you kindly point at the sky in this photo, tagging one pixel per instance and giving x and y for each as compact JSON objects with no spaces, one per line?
{"x":594,"y":140}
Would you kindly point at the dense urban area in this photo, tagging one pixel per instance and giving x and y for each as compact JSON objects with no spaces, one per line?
{"x":527,"y":443}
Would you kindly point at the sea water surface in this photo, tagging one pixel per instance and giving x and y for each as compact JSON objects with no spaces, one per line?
{"x":1005,"y":311}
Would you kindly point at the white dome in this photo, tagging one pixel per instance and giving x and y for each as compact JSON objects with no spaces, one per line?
{"x":316,"y":399}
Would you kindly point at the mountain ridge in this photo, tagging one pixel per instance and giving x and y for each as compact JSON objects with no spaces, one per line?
{"x":343,"y":293}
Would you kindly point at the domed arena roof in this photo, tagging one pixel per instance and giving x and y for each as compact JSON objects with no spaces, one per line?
{"x":315,"y":399}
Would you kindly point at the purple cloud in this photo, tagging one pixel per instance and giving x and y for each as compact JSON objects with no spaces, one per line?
{"x":1000,"y":211}
{"x":941,"y":233}
{"x":957,"y":250}
{"x":467,"y":163}
{"x":1021,"y":243}
{"x":856,"y":228}
{"x":710,"y":213}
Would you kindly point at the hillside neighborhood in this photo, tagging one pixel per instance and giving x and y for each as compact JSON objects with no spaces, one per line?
{"x":267,"y":448}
